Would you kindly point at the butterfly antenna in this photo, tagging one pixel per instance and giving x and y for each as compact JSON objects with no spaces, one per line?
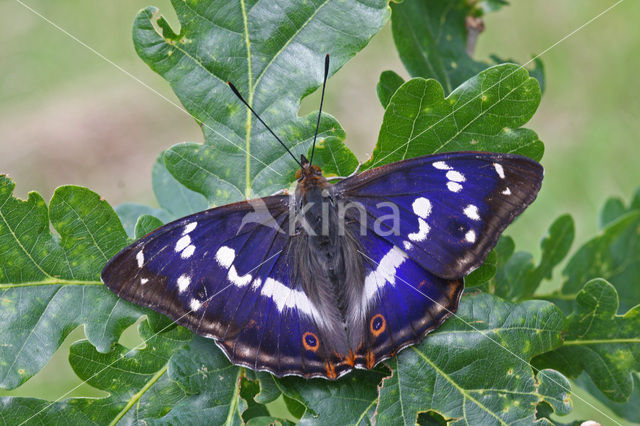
{"x":324,"y":83}
{"x":235,"y":91}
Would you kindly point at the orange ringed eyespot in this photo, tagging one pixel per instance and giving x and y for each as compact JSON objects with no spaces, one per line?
{"x":310,"y":341}
{"x":377,"y":325}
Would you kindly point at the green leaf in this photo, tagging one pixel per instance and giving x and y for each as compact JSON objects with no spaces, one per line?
{"x":274,"y":55}
{"x":484,"y":273}
{"x":146,"y":223}
{"x":333,"y":157}
{"x":129,"y":213}
{"x":605,"y":345}
{"x":491,"y":5}
{"x":627,"y":410}
{"x":612,"y":210}
{"x":479,"y":375}
{"x":172,"y":196}
{"x":176,"y":379}
{"x":520,"y":277}
{"x":349,"y":401}
{"x":248,"y":390}
{"x":387,"y":85}
{"x":432,"y":38}
{"x":613,"y":255}
{"x":50,"y":283}
{"x":483,"y":114}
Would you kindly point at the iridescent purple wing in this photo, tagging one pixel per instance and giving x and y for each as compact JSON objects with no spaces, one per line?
{"x":224,"y":274}
{"x":450,"y":209}
{"x":401,"y":301}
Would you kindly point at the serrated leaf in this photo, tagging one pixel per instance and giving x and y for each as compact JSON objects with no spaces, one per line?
{"x":483,"y":114}
{"x":176,"y":379}
{"x":613,"y":255}
{"x":274,"y":55}
{"x":605,"y":345}
{"x":481,"y":375}
{"x":172,"y":196}
{"x":49,"y":283}
{"x":248,"y":390}
{"x":387,"y":85}
{"x":349,"y":401}
{"x":520,"y":277}
{"x":432,"y":38}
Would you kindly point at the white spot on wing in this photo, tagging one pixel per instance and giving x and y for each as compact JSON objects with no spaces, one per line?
{"x":239,"y":281}
{"x":507,"y":191}
{"x":256,"y":283}
{"x":195,"y":304}
{"x":422,"y":207}
{"x":183,"y":243}
{"x":140,"y":258}
{"x":407,"y":245}
{"x":421,"y":235}
{"x":183,"y":283}
{"x":499,"y":170}
{"x":225,"y":256}
{"x":384,"y":273}
{"x":470,"y":236}
{"x":471,"y":212}
{"x":188,"y":252}
{"x":284,"y":297}
{"x":144,"y":280}
{"x":454,"y":186}
{"x":455,"y":176}
{"x":190,"y":227}
{"x":441,"y":165}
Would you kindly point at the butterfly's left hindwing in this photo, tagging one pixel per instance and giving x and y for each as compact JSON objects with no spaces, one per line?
{"x":226,"y":277}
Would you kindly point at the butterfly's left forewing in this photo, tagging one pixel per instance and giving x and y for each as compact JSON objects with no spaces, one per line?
{"x":224,"y":273}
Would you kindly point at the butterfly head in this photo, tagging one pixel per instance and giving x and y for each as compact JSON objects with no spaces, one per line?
{"x":307,"y":169}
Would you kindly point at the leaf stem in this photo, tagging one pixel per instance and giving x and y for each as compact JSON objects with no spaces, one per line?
{"x":138,"y":395}
{"x":236,"y":394}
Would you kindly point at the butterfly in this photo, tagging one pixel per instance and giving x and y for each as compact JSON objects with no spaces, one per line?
{"x":333,"y":276}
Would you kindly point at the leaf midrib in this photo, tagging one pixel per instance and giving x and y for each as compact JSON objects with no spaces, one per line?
{"x":52,"y":281}
{"x":135,"y":398}
{"x":248,"y":125}
{"x":460,"y":389}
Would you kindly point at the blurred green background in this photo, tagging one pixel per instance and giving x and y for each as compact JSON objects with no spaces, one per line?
{"x":68,"y":116}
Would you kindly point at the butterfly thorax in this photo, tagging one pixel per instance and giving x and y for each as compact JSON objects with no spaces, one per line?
{"x":326,"y":259}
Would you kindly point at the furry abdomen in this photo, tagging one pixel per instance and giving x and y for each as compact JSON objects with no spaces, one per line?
{"x":328,"y":265}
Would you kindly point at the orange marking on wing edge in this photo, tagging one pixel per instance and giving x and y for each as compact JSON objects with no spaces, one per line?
{"x":371,"y":359}
{"x":330,"y":369}
{"x":350,"y":359}
{"x":381,"y":329}
{"x":306,"y":345}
